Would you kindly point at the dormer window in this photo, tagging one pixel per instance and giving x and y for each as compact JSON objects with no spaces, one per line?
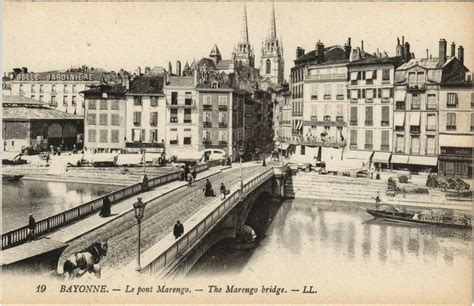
{"x":214,"y":84}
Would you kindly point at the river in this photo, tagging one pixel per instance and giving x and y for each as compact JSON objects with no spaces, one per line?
{"x":44,"y":199}
{"x":347,"y":256}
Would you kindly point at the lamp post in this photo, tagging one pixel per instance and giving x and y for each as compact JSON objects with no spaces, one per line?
{"x":139,"y":208}
{"x":241,"y":154}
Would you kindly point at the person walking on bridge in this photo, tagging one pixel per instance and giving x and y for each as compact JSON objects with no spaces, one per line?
{"x":31,"y":227}
{"x":224,"y":191}
{"x":178,"y":229}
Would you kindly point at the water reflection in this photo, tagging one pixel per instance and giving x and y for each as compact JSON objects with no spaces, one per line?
{"x":43,"y":199}
{"x":340,"y":244}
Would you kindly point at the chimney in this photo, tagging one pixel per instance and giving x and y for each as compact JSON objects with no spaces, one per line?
{"x":147,"y":70}
{"x":461,"y":54}
{"x":427,"y":53}
{"x":125,"y":81}
{"x":453,"y":49}
{"x":442,"y":50}
{"x":362,"y":45}
{"x":299,"y":52}
{"x":178,"y":68}
{"x":196,"y":77}
{"x":170,"y":68}
{"x":24,"y":70}
{"x":139,"y":71}
{"x":320,"y":51}
{"x":403,"y":40}
{"x":348,"y":48}
{"x":407,"y":53}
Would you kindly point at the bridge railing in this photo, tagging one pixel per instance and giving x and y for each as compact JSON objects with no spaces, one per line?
{"x":203,"y":227}
{"x":20,"y":235}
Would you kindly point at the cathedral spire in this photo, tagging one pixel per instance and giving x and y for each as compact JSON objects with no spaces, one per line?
{"x":272,"y":34}
{"x":244,"y":34}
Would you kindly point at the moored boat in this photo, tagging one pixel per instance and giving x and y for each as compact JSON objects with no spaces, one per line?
{"x":12,"y":177}
{"x":419,"y":218}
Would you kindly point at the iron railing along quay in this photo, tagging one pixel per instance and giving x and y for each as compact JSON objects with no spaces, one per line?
{"x":204,"y":227}
{"x":45,"y":226}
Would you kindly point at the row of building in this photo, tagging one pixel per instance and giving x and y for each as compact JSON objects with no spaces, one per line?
{"x":400,"y":110}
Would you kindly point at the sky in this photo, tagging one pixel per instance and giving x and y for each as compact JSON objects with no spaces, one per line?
{"x":50,"y":36}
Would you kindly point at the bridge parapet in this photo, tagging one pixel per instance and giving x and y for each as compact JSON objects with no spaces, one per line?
{"x":164,"y":255}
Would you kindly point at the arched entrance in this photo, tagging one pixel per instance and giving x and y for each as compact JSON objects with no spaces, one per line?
{"x":69,"y":135}
{"x":55,"y":134}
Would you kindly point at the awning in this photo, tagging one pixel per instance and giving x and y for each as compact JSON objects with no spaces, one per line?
{"x":456,"y":141}
{"x":423,"y":160}
{"x":400,"y":95}
{"x":284,"y":146}
{"x":369,"y":75}
{"x":129,"y":159}
{"x":331,"y":154}
{"x":353,"y":76}
{"x":362,"y":155}
{"x":399,"y":118}
{"x":188,"y":156}
{"x":415,"y":119}
{"x":381,"y":157}
{"x":354,"y":94}
{"x":150,"y":157}
{"x":399,"y":159}
{"x":386,"y":93}
{"x":104,"y":157}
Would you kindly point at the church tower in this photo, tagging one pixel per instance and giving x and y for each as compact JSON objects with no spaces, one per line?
{"x":243,"y":52}
{"x":271,"y":63}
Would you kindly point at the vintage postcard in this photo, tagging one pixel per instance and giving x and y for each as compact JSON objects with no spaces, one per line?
{"x":237,"y":152}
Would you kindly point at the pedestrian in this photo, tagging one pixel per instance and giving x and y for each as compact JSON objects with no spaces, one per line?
{"x":178,"y":229}
{"x":223,"y":191}
{"x":145,"y":183}
{"x":371,"y":171}
{"x":377,"y":200}
{"x":181,"y":174}
{"x":31,"y":227}
{"x":208,"y":191}
{"x":194,"y":173}
{"x":190,"y":179}
{"x":377,"y":175}
{"x":106,"y":205}
{"x":47,"y":158}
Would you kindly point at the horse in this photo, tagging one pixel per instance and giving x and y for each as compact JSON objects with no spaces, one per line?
{"x":86,"y":260}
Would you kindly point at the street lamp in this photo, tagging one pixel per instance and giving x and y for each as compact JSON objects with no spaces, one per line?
{"x":139,"y":208}
{"x":241,"y":154}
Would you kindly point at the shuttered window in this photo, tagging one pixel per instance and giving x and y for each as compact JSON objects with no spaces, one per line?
{"x":385,"y":116}
{"x":354,"y":138}
{"x":354,"y":115}
{"x":451,"y":121}
{"x":430,"y":145}
{"x":369,"y":111}
{"x":369,"y":140}
{"x":385,"y":146}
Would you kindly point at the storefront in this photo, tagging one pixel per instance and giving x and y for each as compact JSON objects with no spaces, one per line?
{"x":456,"y":157}
{"x":381,"y":160}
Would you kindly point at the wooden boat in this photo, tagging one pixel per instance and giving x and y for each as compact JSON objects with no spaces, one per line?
{"x":417,"y":218}
{"x":12,"y":177}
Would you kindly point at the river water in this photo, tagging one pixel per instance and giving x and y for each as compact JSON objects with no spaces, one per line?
{"x":44,"y":199}
{"x":347,"y":256}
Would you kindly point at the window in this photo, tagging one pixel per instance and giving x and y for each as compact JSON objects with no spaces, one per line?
{"x":353,"y":139}
{"x":114,"y":136}
{"x":206,"y":137}
{"x":92,"y":104}
{"x":92,"y":135}
{"x":137,"y":118}
{"x":420,"y":78}
{"x":223,"y":119}
{"x":385,"y":116}
{"x":314,"y":92}
{"x":400,"y":105}
{"x":103,"y":135}
{"x":103,"y":118}
{"x":268,"y":67}
{"x":340,"y":91}
{"x":174,"y":136}
{"x":399,"y":143}
{"x":222,"y":137}
{"x":103,"y":105}
{"x":115,"y":119}
{"x":369,"y":115}
{"x":33,"y":97}
{"x":188,"y":99}
{"x":355,"y":94}
{"x":187,"y":116}
{"x":65,"y":88}
{"x":207,"y":117}
{"x":187,"y":137}
{"x":385,"y":145}
{"x":41,"y":88}
{"x":174,"y":98}
{"x":53,"y":88}
{"x":64,"y":100}
{"x":431,"y":122}
{"x":137,"y":101}
{"x":415,"y":144}
{"x":430,"y":145}
{"x":472,"y":99}
{"x":327,"y":91}
{"x":386,"y":75}
{"x":472,"y":122}
{"x":153,"y":135}
{"x":173,"y":115}
{"x":451,"y":122}
{"x":369,"y":94}
{"x":115,"y":105}
{"x":416,"y":101}
{"x":153,"y":101}
{"x":73,"y":102}
{"x":73,"y":88}
{"x":368,"y":140}
{"x":431,"y":101}
{"x":54,"y":102}
{"x":32,"y":88}
{"x":207,"y":102}
{"x":354,"y":115}
{"x":411,"y":79}
{"x":302,"y":150}
{"x":452,"y":101}
{"x":153,"y":118}
{"x":41,"y":98}
{"x":136,"y":135}
{"x":222,"y":101}
{"x":91,"y":119}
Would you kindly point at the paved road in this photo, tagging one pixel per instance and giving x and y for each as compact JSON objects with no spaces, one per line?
{"x":160,"y":217}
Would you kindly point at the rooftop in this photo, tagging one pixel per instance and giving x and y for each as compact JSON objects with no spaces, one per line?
{"x":21,"y":108}
{"x":427,"y":63}
{"x":176,"y":81}
{"x":117,"y":89}
{"x":147,"y":84}
{"x":20,"y":101}
{"x":396,"y":60}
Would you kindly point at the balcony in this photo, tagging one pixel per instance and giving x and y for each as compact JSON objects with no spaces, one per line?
{"x":353,"y":122}
{"x":385,"y":100}
{"x":369,"y":123}
{"x":223,"y":107}
{"x":353,"y":146}
{"x":329,"y":76}
{"x":223,"y":124}
{"x":340,"y":97}
{"x":207,"y":124}
{"x":314,"y":97}
{"x":414,"y":129}
{"x":317,"y":142}
{"x":173,"y":119}
{"x":450,"y":128}
{"x":385,"y":123}
{"x":369,"y":82}
{"x":223,"y":142}
{"x":368,"y":146}
{"x":369,"y":100}
{"x":431,"y":106}
{"x":384,"y":147}
{"x":431,"y":127}
{"x":339,"y":119}
{"x":144,"y":145}
{"x":400,"y":105}
{"x":327,"y":97}
{"x":354,"y":100}
{"x":414,"y":87}
{"x":207,"y":106}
